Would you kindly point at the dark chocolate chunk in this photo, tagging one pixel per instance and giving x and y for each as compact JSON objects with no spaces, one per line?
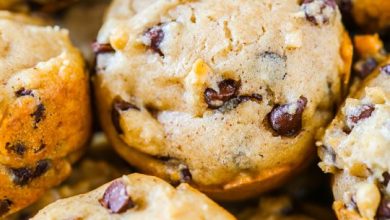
{"x":24,"y":92}
{"x":23,"y":176}
{"x":185,"y":175}
{"x":41,"y":168}
{"x":17,"y":148}
{"x":116,"y":198}
{"x":284,"y":121}
{"x":5,"y":206}
{"x":314,"y":16}
{"x":383,"y":211}
{"x":102,"y":48}
{"x":39,"y":114}
{"x":156,"y":36}
{"x":365,"y":112}
{"x":228,"y":89}
{"x":118,"y":106}
{"x":365,"y":67}
{"x":234,"y":102}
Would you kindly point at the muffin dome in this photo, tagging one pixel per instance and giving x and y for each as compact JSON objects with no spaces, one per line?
{"x":227,"y":97}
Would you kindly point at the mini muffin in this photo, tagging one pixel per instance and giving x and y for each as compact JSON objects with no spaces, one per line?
{"x":136,"y":196}
{"x":227,"y":97}
{"x":356,"y":150}
{"x":36,"y":5}
{"x":371,"y":15}
{"x":99,"y":166}
{"x":44,"y":109}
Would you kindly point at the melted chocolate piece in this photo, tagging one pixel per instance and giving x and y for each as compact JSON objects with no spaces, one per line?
{"x":286,"y":121}
{"x":116,"y":198}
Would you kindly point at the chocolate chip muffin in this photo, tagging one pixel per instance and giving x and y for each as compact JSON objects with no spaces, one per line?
{"x":371,"y":15}
{"x":225,"y":97}
{"x":136,"y":196}
{"x":356,"y":150}
{"x":44,"y":109}
{"x":36,"y":5}
{"x":99,"y":166}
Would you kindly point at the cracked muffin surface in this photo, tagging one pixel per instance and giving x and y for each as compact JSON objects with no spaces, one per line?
{"x":227,"y":97}
{"x":136,"y":196}
{"x":44,"y":109}
{"x":356,"y":146}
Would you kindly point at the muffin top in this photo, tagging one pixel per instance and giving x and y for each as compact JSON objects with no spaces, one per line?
{"x":136,"y":196}
{"x":226,"y":91}
{"x":43,"y":115}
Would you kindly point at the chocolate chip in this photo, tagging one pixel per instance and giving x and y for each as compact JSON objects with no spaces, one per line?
{"x":17,"y":148}
{"x":386,"y":69}
{"x":286,"y":119}
{"x":365,"y":111}
{"x":228,"y":89}
{"x":5,"y":206}
{"x":317,"y":11}
{"x":365,"y":67}
{"x":118,"y":106}
{"x":185,"y":175}
{"x":383,"y":211}
{"x":254,"y":97}
{"x":234,"y":102}
{"x":155,"y":37}
{"x":102,"y":48}
{"x":116,"y":199}
{"x":152,"y":110}
{"x":39,"y":114}
{"x":41,"y":168}
{"x":24,"y":92}
{"x":23,"y":176}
